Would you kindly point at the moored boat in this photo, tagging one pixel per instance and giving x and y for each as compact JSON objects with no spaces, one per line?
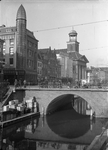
{"x":15,"y":111}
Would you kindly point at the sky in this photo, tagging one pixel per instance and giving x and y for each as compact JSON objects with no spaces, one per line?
{"x":52,"y":20}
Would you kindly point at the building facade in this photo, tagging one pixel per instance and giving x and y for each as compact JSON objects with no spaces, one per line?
{"x":79,"y":62}
{"x":66,"y":64}
{"x":51,"y":67}
{"x":19,"y":50}
{"x":97,"y":75}
{"x":1,"y":60}
{"x":1,"y":51}
{"x":39,"y":66}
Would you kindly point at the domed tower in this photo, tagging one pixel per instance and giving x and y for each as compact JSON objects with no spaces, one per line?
{"x":72,"y":44}
{"x":21,"y":38}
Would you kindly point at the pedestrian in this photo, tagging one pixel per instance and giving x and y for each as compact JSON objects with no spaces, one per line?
{"x":15,"y":83}
{"x":60,"y":83}
{"x":24,"y":82}
{"x":68,"y":84}
{"x":20,"y":83}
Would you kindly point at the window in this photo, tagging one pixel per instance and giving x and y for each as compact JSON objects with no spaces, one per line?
{"x":4,"y":44}
{"x":11,"y":50}
{"x":8,"y":30}
{"x":30,"y":44}
{"x":11,"y":41}
{"x":11,"y":61}
{"x":4,"y":51}
{"x":35,"y":46}
{"x":29,"y":63}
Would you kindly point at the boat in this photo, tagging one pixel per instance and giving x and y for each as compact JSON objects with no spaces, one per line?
{"x":16,"y":112}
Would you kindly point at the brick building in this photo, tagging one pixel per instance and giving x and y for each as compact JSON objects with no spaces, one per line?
{"x":51,"y":66}
{"x":19,"y":50}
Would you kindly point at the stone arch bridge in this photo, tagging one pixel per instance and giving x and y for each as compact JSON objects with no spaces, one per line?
{"x":97,"y":98}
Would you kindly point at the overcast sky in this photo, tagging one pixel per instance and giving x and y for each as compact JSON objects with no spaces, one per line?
{"x":87,"y":17}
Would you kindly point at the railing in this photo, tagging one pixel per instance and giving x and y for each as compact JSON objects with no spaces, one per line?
{"x":50,"y":85}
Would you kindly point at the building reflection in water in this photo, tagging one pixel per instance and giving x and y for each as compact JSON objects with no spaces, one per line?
{"x":81,"y":106}
{"x":65,"y":126}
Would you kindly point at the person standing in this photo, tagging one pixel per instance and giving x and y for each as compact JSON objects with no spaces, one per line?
{"x":24,"y":82}
{"x":15,"y":83}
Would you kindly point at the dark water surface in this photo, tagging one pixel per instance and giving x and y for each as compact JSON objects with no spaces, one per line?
{"x":60,"y":131}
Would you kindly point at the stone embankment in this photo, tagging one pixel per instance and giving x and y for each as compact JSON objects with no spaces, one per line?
{"x":100,"y":140}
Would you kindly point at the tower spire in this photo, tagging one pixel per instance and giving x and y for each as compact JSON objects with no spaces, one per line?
{"x":21,"y":13}
{"x":21,"y":37}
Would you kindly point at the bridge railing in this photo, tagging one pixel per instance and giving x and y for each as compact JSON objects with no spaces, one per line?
{"x":50,"y":85}
{"x":60,"y":85}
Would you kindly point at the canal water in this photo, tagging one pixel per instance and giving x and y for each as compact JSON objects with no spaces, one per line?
{"x":67,"y":129}
{"x":59,"y":131}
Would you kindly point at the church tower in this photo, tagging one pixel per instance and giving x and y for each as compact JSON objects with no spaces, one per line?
{"x":21,"y":38}
{"x":72,"y":44}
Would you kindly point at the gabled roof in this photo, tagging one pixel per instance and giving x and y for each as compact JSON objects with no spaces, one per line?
{"x":29,"y":33}
{"x":39,"y":56}
{"x":44,"y":50}
{"x":78,"y":56}
{"x":84,"y":58}
{"x":74,"y":55}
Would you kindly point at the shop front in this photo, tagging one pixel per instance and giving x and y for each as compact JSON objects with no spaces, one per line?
{"x":11,"y":74}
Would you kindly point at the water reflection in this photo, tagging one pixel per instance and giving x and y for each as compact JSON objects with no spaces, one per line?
{"x":56,"y":132}
{"x":11,"y":136}
{"x":69,"y":124}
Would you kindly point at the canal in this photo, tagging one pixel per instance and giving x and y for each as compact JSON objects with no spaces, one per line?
{"x":67,"y":129}
{"x":60,"y":131}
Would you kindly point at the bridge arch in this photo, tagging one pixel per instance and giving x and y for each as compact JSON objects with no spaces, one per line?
{"x":97,"y":98}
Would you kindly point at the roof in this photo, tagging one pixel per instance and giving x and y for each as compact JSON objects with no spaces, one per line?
{"x":45,"y":50}
{"x":78,"y":56}
{"x":7,"y":30}
{"x":21,"y":13}
{"x":29,"y":33}
{"x":99,"y":68}
{"x":60,"y":50}
{"x":74,"y":55}
{"x":73,"y":33}
{"x":39,"y":56}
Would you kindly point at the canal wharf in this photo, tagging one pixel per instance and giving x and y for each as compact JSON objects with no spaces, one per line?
{"x":7,"y":123}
